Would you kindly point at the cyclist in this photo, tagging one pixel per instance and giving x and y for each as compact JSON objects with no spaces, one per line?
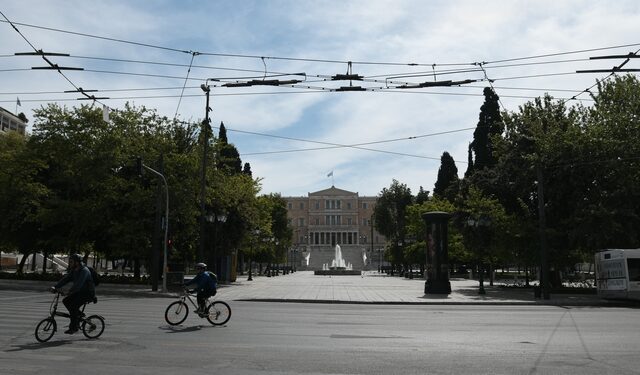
{"x":81,"y":292}
{"x":205,"y":285}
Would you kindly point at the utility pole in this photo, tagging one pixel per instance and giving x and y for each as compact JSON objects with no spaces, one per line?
{"x":203,"y":177}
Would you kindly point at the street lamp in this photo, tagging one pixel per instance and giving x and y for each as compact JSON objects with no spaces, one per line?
{"x":203,"y":171}
{"x":483,"y":221}
{"x":166,"y":219}
{"x":215,"y":218}
{"x":256,"y":232}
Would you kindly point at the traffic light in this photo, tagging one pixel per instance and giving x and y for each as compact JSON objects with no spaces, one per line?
{"x":139,"y":166}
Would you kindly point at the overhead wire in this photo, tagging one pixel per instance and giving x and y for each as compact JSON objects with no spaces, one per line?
{"x":355,"y":146}
{"x":187,"y":78}
{"x":51,"y":64}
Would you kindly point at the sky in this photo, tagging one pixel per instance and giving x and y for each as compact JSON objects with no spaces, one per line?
{"x":305,"y":136}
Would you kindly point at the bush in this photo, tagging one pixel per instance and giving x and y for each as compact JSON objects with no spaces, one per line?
{"x":55,"y":276}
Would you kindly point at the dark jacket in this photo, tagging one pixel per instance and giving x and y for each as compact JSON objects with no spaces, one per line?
{"x":203,"y":282}
{"x":82,"y":281}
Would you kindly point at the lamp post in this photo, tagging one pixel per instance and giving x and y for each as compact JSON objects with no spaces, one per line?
{"x":483,"y":221}
{"x":215,"y":219}
{"x":166,"y":220}
{"x":203,"y":171}
{"x":256,"y":233}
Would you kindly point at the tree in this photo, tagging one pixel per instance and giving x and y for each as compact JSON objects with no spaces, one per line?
{"x":21,"y":195}
{"x":422,"y":196}
{"x":227,"y":156}
{"x":483,"y":223}
{"x":416,"y":228}
{"x":489,"y":125}
{"x":390,"y":218}
{"x":247,"y":170}
{"x":447,"y":184}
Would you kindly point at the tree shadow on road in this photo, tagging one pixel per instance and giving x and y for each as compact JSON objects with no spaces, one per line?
{"x":39,"y":345}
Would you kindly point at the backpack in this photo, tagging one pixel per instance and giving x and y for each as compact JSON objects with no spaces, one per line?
{"x":94,"y":276}
{"x":214,"y":281}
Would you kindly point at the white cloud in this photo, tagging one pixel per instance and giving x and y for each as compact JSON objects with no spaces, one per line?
{"x":433,"y":32}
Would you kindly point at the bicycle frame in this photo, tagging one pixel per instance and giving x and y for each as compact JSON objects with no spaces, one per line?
{"x":188,"y":296}
{"x":53,"y":309}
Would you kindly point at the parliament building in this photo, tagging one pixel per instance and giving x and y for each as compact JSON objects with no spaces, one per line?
{"x":331,"y":217}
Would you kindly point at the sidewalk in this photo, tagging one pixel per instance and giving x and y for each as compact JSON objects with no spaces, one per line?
{"x":370,"y":288}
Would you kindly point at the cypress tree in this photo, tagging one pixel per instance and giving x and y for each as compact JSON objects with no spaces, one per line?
{"x":447,"y":184}
{"x":489,"y":124}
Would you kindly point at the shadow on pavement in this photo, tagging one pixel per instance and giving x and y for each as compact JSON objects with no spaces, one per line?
{"x":181,"y":329}
{"x":38,"y":345}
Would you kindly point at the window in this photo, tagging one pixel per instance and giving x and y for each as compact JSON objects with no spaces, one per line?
{"x":338,"y":220}
{"x":333,"y":204}
{"x":317,"y":221}
{"x":364,"y":205}
{"x":327,"y":205}
{"x":364,"y":222}
{"x":289,"y":221}
{"x":349,"y":221}
{"x":338,"y":204}
{"x":348,"y":205}
{"x":301,"y":222}
{"x":301,"y":205}
{"x":290,"y":205}
{"x":327,"y":220}
{"x":317,"y":205}
{"x":633,"y":264}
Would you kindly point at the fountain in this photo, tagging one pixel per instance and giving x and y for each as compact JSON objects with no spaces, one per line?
{"x":338,"y":266}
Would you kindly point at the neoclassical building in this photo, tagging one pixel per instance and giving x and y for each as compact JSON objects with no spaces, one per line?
{"x":331,"y":217}
{"x":11,"y":123}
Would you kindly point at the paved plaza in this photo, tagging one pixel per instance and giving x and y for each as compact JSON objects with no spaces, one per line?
{"x":370,"y":287}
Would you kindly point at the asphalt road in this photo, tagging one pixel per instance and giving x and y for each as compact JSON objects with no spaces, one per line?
{"x":299,"y":338}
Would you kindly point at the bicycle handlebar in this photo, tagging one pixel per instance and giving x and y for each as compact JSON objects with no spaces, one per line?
{"x":53,"y":289}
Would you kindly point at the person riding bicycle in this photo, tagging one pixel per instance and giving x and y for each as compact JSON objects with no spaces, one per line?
{"x":81,"y":292}
{"x":205,"y":285}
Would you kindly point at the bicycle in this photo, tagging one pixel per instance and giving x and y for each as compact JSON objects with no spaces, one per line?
{"x":92,"y":326}
{"x":216,"y":312}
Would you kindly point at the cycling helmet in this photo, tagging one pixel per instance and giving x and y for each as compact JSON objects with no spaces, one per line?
{"x":76,"y":257}
{"x":201,"y":265}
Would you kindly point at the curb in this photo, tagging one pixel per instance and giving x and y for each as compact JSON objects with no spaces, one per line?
{"x":603,"y":303}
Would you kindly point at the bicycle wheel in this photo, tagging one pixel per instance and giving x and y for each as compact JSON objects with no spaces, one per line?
{"x":218,"y":313}
{"x":93,"y":326}
{"x":45,"y":329}
{"x":176,"y":313}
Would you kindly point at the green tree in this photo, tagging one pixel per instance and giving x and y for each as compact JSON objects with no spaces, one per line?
{"x":489,"y":125}
{"x":416,"y":228}
{"x":227,"y":156}
{"x":422,"y":196}
{"x":447,"y":183}
{"x":390,"y":219}
{"x":483,"y":223}
{"x":21,"y":195}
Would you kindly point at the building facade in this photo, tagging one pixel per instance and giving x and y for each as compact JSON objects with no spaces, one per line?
{"x":11,"y":123}
{"x":331,"y":217}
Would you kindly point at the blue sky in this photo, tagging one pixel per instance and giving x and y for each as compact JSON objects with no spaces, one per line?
{"x":318,"y":38}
